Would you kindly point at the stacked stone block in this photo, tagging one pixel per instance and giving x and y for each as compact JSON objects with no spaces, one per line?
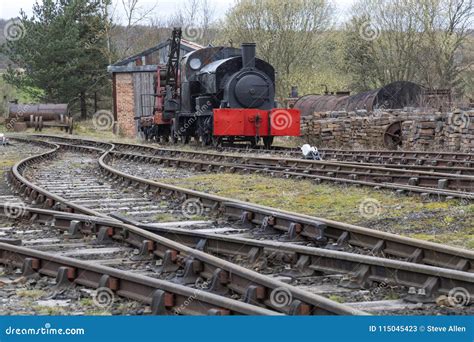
{"x":421,"y":129}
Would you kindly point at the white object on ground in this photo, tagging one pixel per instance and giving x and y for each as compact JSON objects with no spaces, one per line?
{"x":310,"y":152}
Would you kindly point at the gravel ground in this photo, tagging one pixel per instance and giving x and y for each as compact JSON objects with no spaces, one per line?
{"x":151,"y":171}
{"x":22,"y":296}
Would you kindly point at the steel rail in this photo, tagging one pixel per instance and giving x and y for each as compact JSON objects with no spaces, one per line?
{"x":329,"y":168}
{"x":36,"y":193}
{"x":407,"y":159}
{"x":466,"y":171}
{"x":252,"y":286}
{"x":363,"y":270}
{"x":315,"y":229}
{"x":403,"y":157}
{"x":163,"y":296}
{"x":355,"y":178}
{"x":429,"y":169}
{"x":328,"y":171}
{"x":376,"y":156}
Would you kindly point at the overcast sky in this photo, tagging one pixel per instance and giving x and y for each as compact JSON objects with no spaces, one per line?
{"x":11,"y":8}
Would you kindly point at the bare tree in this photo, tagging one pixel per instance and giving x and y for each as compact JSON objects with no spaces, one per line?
{"x":446,"y":26}
{"x":197,"y":18}
{"x":130,"y":35}
{"x":286,"y":34}
{"x":414,"y":40}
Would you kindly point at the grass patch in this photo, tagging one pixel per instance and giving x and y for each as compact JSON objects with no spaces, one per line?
{"x":7,"y":163}
{"x":86,"y":128}
{"x":392,"y":295}
{"x":49,"y":310}
{"x":336,"y":298}
{"x":165,"y":217}
{"x":32,"y":294}
{"x":86,"y":302}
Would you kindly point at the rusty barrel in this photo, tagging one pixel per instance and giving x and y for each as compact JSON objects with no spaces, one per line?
{"x":48,"y":111}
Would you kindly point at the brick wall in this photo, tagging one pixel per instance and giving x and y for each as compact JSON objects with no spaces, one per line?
{"x":421,"y":130}
{"x":125,"y":104}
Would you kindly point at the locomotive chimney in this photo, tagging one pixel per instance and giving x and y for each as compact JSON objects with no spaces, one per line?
{"x":248,"y":55}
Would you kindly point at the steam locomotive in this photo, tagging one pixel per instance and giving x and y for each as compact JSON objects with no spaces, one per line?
{"x":216,"y":95}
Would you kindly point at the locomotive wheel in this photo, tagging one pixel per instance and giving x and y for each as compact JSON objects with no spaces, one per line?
{"x":267,"y":142}
{"x":173,"y":134}
{"x":184,"y":139}
{"x":206,"y":140}
{"x":216,"y":141}
{"x":142,"y":136}
{"x":254,"y":142}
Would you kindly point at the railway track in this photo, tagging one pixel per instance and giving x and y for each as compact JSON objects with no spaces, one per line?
{"x":366,"y":270}
{"x":227,"y":277}
{"x":386,"y":272}
{"x":391,"y":157}
{"x":108,"y":266}
{"x":402,"y":181}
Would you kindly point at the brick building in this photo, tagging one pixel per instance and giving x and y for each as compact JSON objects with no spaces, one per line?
{"x":132,"y":82}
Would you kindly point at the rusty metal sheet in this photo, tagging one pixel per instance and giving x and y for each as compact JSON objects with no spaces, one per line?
{"x":49,"y":111}
{"x":394,"y":95}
